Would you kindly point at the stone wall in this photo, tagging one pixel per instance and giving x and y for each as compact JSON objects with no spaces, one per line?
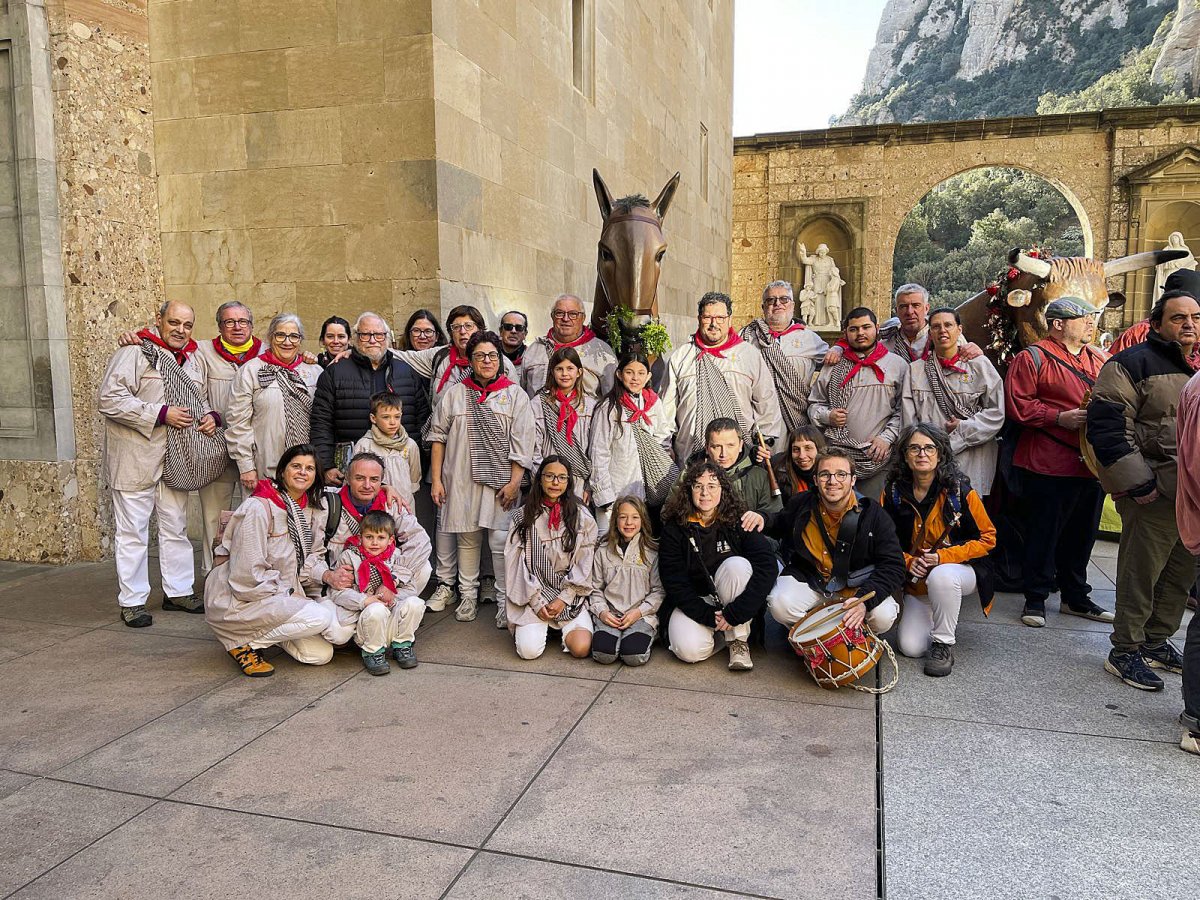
{"x":890,"y":167}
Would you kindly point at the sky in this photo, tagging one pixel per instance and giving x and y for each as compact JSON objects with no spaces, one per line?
{"x":798,"y":62}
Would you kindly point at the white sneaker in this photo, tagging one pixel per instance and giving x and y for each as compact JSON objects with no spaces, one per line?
{"x":467,"y":607}
{"x":1190,"y":743}
{"x":739,"y":657}
{"x":501,"y":616}
{"x":441,"y":598}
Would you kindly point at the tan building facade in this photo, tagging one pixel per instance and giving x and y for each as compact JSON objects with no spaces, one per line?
{"x":322,"y":157}
{"x":1132,"y":176}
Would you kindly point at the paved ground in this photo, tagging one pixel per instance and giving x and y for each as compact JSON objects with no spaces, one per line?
{"x":140,"y":764}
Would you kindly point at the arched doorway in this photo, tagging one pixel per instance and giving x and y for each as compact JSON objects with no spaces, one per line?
{"x":956,"y":238}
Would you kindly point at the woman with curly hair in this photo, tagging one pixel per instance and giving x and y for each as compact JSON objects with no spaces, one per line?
{"x":947,"y":536}
{"x":548,"y":565}
{"x":716,"y":576}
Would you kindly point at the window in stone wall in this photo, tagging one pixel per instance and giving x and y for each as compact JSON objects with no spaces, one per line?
{"x":583,"y":46}
{"x":703,"y":161}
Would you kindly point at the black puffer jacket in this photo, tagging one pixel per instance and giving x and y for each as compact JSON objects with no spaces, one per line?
{"x":341,"y":409}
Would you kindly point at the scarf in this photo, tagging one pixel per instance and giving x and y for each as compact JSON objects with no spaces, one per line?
{"x":351,"y":517}
{"x":516,"y":357}
{"x":297,"y":401}
{"x":484,"y":392}
{"x":907,"y":349}
{"x":237,"y":355}
{"x":555,"y":509}
{"x":558,"y":425}
{"x":951,"y":364}
{"x":490,"y":438}
{"x":398,"y":443}
{"x":840,"y":391}
{"x":297,"y":524}
{"x":537,"y":563}
{"x":568,"y":415}
{"x":730,"y":342}
{"x":869,"y":361}
{"x":649,"y":398}
{"x":715,"y":398}
{"x":587,"y":335}
{"x":180,"y":356}
{"x":948,"y":400}
{"x":454,"y":361}
{"x":373,"y":571}
{"x":790,"y":385}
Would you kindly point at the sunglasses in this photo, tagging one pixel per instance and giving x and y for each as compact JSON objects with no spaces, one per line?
{"x":511,"y":326}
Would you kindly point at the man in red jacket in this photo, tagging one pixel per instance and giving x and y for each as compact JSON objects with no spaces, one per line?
{"x":1046,"y":390}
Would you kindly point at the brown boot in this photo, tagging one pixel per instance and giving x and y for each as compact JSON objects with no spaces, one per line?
{"x":251,"y":661}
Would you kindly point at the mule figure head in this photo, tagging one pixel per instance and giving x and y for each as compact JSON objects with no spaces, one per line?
{"x":629,"y":257}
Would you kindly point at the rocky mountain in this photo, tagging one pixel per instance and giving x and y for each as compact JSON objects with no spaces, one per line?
{"x":962,"y":59}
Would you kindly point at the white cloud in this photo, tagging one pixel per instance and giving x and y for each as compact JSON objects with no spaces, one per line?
{"x":796,"y":63}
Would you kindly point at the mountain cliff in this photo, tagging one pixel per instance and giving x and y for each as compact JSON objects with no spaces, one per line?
{"x":962,"y":59}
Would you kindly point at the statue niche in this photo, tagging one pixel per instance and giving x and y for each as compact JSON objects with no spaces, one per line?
{"x":821,"y":256}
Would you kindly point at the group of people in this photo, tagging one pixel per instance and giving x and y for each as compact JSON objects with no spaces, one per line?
{"x":766,"y":473}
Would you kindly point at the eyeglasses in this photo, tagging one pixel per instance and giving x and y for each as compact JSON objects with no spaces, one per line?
{"x":464,"y":327}
{"x":778,"y":301}
{"x":568,"y":314}
{"x":833,"y":476}
{"x":485,"y":357}
{"x":372,"y":336}
{"x":422,"y":332}
{"x":288,"y":338}
{"x":555,"y":479}
{"x":511,"y":326}
{"x":235,"y":323}
{"x":714,"y":320}
{"x":921,"y":450}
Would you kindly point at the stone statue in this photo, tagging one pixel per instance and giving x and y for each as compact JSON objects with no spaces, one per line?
{"x":822,"y":277}
{"x":1174,"y":242}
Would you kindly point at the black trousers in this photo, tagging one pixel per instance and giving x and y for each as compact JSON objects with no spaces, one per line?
{"x":1061,"y":518}
{"x":1191,"y":673}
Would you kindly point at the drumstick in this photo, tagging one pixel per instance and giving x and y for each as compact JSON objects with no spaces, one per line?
{"x":775,"y":491}
{"x":857,"y":600}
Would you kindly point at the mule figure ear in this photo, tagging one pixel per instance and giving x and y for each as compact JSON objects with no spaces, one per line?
{"x":663,"y":202}
{"x":603,"y":196}
{"x":1116,"y":300}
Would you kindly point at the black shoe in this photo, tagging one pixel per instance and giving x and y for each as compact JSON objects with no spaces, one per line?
{"x":1034,"y":614}
{"x":1165,"y":657}
{"x":1088,"y":610}
{"x":405,"y":655}
{"x":1132,"y":669}
{"x":136,"y":616}
{"x":189,"y":604}
{"x":940,"y":660}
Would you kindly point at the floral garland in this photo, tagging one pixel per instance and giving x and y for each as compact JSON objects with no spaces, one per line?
{"x":1004,"y":342}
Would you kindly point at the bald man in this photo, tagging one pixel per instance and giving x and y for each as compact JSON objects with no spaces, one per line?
{"x":133,"y":402}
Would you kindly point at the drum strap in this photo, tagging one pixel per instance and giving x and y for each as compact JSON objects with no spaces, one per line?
{"x":839,"y":551}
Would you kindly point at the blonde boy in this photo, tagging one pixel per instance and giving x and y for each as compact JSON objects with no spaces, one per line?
{"x":388,"y":439}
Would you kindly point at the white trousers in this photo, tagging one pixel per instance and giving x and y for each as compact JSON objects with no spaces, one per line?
{"x":214,"y":498}
{"x":790,"y":599}
{"x":531,"y":639}
{"x":693,"y":642}
{"x":470,"y":548}
{"x":176,"y":561}
{"x":376,"y":626}
{"x":445,"y":549}
{"x":305,"y":636}
{"x":934,"y":617}
{"x":344,"y":627}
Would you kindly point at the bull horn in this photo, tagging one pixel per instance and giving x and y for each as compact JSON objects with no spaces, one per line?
{"x":1141,"y":261}
{"x":1039,"y":268}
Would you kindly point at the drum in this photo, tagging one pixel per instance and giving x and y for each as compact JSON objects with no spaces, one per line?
{"x":837,"y":655}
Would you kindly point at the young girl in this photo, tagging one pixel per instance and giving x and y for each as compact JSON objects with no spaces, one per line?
{"x":548,"y":565}
{"x":563,"y":418}
{"x":626,"y":590}
{"x":631,"y":441}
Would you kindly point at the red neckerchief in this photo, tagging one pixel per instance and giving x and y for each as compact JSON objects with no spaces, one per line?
{"x":555,"y":513}
{"x":369,"y":562}
{"x":498,"y":385}
{"x":648,"y":397}
{"x":795,"y":326}
{"x":457,"y":361}
{"x":587,"y":335}
{"x":180,"y":355}
{"x":732,"y":341}
{"x":379,"y":503}
{"x":867,"y":362}
{"x":255,"y":347}
{"x":272,"y":360}
{"x":268,"y":491}
{"x":951,"y":364}
{"x":567,"y":414}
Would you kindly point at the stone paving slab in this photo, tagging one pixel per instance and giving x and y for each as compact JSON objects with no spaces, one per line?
{"x":1036,"y":678}
{"x":165,"y":754}
{"x":979,"y":811}
{"x":725,"y":792}
{"x":84,"y":596}
{"x":492,"y":875}
{"x":67,"y":700}
{"x":175,"y":850}
{"x":438,"y":752}
{"x":44,"y":822}
{"x":19,"y":637}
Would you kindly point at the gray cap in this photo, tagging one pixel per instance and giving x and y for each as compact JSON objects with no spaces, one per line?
{"x":1069,"y":308}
